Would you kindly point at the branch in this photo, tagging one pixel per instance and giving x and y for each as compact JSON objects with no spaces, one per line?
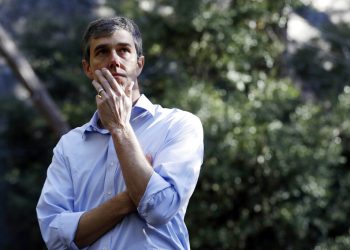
{"x":39,"y":95}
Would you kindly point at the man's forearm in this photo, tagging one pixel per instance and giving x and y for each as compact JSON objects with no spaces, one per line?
{"x":136,"y":169}
{"x":96,"y":222}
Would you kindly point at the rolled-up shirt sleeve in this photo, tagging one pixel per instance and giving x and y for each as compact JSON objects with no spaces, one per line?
{"x":57,"y":221}
{"x":176,"y":170}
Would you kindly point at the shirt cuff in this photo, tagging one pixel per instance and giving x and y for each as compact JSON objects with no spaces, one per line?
{"x":68,"y":226}
{"x":155,"y":185}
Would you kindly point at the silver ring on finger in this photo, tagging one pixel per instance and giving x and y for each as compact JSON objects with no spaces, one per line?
{"x":100,"y":91}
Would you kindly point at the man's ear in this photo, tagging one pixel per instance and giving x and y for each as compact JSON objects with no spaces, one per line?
{"x":140,"y":63}
{"x":87,"y":69}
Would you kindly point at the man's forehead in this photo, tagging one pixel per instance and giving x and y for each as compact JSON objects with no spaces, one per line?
{"x":119,"y":36}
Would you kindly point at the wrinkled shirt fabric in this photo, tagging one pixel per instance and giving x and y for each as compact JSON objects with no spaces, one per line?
{"x":85,"y":172}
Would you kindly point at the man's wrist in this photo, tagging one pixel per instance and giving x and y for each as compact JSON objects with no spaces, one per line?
{"x":127,"y":206}
{"x":121,"y":132}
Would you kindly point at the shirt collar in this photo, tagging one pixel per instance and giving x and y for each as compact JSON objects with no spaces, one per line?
{"x":143,"y":104}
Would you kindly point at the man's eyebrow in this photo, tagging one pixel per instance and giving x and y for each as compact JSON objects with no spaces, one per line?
{"x":124,"y":45}
{"x":101,"y":46}
{"x":104,"y":46}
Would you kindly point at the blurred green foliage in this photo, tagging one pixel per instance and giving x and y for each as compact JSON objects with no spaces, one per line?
{"x":323,"y":63}
{"x":276,"y":167}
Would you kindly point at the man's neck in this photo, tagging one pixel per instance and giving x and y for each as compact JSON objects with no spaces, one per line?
{"x":135,"y":96}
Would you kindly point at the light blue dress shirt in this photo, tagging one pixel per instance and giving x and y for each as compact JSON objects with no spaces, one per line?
{"x":85,"y":172}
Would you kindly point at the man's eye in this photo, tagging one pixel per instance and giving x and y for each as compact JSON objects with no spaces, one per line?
{"x":124,"y":50}
{"x":101,"y":52}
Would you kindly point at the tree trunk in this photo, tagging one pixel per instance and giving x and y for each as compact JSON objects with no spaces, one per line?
{"x":39,"y":95}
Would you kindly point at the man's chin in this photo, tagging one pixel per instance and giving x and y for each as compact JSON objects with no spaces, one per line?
{"x":120,"y":79}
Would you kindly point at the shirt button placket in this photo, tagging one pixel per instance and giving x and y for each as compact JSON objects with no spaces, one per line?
{"x":108,"y":190}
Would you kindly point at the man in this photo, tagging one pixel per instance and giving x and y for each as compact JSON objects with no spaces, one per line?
{"x":124,"y":179}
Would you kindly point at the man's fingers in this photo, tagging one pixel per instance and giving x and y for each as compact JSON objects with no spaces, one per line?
{"x":98,"y":100}
{"x":99,"y":89}
{"x":96,"y":85}
{"x":104,"y":82}
{"x":112,"y":82}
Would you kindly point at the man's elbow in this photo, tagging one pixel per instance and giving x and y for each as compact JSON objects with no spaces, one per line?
{"x":156,"y":217}
{"x":163,"y":210}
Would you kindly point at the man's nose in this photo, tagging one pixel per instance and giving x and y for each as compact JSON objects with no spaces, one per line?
{"x":114,"y":60}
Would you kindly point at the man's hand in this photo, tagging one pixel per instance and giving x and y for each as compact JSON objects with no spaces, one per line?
{"x":114,"y":101}
{"x":114,"y":104}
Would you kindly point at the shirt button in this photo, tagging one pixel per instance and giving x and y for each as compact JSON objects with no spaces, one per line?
{"x":109,"y":192}
{"x":112,"y":163}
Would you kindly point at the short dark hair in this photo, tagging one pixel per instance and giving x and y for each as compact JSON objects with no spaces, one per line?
{"x":106,"y":26}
